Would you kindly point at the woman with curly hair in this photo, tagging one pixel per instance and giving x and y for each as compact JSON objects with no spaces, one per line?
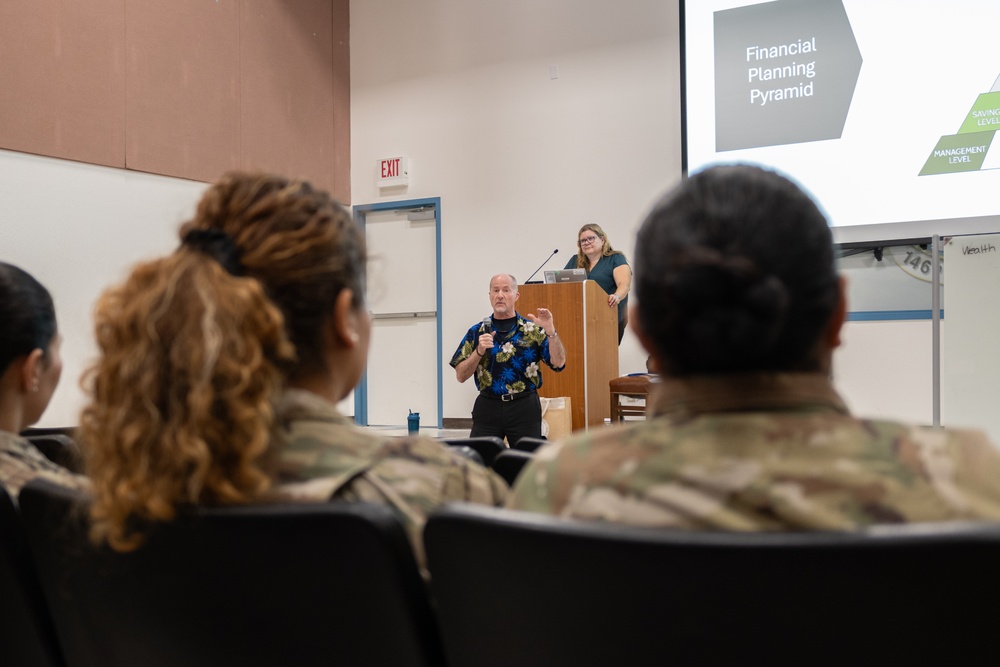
{"x":220,"y":366}
{"x":605,"y":266}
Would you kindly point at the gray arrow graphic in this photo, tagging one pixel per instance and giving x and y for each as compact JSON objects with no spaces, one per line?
{"x":785,"y":73}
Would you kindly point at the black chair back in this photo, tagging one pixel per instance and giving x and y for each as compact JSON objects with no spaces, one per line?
{"x":529,"y":444}
{"x":60,"y":449}
{"x":589,"y":593}
{"x":467,"y":452}
{"x":297,"y":584}
{"x":509,"y":463}
{"x":488,"y":446}
{"x":32,"y":431}
{"x":26,"y":633}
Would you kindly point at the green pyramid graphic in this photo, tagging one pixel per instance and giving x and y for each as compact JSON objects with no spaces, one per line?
{"x":967,"y":150}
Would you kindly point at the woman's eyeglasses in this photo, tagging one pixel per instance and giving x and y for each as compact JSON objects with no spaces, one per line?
{"x":588,"y":240}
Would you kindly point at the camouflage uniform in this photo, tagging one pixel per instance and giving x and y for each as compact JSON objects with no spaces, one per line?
{"x":21,"y":462}
{"x":323,"y":455}
{"x":763,"y":452}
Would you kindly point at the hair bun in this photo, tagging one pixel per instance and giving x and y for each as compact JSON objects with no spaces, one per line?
{"x":717,"y":288}
{"x":216,"y":244}
{"x":731,"y":307}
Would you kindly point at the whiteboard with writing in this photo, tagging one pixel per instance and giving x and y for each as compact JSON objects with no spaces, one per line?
{"x":970,"y":339}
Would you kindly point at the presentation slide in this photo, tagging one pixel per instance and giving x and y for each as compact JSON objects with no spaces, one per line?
{"x":886,"y":111}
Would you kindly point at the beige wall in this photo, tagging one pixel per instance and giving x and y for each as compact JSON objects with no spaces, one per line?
{"x":519,"y":159}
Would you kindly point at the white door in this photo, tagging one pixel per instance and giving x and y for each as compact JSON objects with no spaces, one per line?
{"x":404,"y":360}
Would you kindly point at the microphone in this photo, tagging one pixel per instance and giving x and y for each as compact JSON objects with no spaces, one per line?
{"x":485,"y":328}
{"x":540,"y":267}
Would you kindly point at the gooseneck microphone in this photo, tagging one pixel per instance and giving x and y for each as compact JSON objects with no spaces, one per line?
{"x":540,"y":267}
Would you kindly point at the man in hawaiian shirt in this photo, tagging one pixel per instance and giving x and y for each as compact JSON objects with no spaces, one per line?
{"x":505,"y":353}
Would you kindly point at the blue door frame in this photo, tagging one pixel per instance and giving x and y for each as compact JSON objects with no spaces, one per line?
{"x":360,"y":213}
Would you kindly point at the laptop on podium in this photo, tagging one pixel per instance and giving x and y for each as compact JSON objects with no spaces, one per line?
{"x":565,"y":276}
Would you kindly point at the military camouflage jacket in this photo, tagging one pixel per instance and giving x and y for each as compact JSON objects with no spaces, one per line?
{"x":323,"y":455}
{"x":21,"y":462}
{"x":763,"y":452}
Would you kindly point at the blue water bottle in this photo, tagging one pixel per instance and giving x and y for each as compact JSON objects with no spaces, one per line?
{"x":413,"y":423}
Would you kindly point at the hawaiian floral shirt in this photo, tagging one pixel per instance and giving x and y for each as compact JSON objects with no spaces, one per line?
{"x":514,"y":363}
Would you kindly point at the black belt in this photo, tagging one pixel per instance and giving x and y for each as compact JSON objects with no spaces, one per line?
{"x":506,"y":398}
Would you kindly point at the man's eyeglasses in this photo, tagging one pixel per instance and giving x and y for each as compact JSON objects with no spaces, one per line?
{"x":588,"y":240}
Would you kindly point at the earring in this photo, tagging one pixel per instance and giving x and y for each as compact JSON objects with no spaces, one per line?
{"x":354,"y":337}
{"x":34,"y":386}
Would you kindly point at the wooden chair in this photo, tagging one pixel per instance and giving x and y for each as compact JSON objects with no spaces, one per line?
{"x":632,"y":386}
{"x":296,"y":584}
{"x":592,"y":593}
{"x":27,"y":636}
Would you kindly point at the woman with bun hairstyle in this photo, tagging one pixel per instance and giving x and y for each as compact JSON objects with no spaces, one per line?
{"x":741,"y":307}
{"x":30,"y":368}
{"x":605,"y":266}
{"x":221,"y":365}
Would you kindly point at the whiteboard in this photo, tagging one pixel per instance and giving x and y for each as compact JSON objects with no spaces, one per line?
{"x":78,"y":228}
{"x":970,"y":350}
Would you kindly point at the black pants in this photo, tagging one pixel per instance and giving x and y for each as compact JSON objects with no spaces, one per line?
{"x":513,"y":419}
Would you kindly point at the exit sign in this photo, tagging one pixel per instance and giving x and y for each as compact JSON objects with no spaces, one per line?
{"x":392,"y":171}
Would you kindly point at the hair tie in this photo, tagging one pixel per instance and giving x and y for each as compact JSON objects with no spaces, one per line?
{"x":218,"y":245}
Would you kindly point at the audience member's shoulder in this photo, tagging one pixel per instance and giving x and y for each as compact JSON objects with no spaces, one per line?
{"x":926,"y":436}
{"x":8,"y":439}
{"x":965,"y":448}
{"x":427,"y":451}
{"x":310,"y":423}
{"x":604,"y":440}
{"x":559,"y":467}
{"x":969,"y":441}
{"x":21,"y":462}
{"x":458,"y":477}
{"x":421,"y":448}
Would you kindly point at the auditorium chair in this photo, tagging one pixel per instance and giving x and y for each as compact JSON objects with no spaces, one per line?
{"x":488,"y":446}
{"x":530,"y":444}
{"x":467,"y":452}
{"x":58,"y":448}
{"x":592,"y":593}
{"x":68,"y":431}
{"x":509,"y":463}
{"x":269,"y":584}
{"x":26,"y":634}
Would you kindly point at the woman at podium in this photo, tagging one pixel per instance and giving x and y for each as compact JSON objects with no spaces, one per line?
{"x":605,"y":266}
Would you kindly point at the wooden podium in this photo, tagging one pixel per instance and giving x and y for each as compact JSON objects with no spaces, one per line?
{"x":589,"y":330}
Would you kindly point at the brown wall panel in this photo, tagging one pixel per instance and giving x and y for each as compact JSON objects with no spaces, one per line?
{"x":183,"y":87}
{"x":288,"y":92}
{"x":62,"y":91}
{"x":342,"y":100}
{"x":187,"y":88}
